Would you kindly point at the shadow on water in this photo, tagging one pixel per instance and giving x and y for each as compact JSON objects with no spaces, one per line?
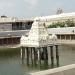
{"x":10,"y":52}
{"x":11,"y":63}
{"x":37,"y":66}
{"x":34,"y":68}
{"x":10,"y":59}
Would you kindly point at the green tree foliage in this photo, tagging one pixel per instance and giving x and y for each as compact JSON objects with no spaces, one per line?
{"x":67,"y":23}
{"x":70,"y":23}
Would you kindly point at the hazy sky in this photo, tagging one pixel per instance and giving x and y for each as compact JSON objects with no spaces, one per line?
{"x":33,"y":8}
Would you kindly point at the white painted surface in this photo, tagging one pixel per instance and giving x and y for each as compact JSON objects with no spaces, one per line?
{"x":59,"y":16}
{"x":38,"y":36}
{"x":8,"y":19}
{"x":64,"y":70}
{"x":67,"y":42}
{"x":64,"y":30}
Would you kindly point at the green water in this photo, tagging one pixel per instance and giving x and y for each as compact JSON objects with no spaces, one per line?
{"x":11,"y":63}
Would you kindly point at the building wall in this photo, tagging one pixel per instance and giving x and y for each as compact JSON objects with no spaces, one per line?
{"x":21,"y":25}
{"x":10,"y":41}
{"x":66,"y":33}
{"x":48,"y":20}
{"x":5,"y":26}
{"x":51,"y":21}
{"x":64,"y":30}
{"x":15,"y":26}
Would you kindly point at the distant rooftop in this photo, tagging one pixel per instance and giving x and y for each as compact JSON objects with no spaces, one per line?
{"x":5,"y":19}
{"x":56,"y":16}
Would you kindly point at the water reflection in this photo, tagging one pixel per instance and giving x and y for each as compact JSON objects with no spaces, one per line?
{"x":11,"y":63}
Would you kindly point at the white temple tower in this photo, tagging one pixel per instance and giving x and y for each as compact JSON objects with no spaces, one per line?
{"x":38,"y":36}
{"x":37,"y":41}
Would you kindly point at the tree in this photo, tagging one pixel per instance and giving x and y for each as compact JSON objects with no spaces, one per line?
{"x":68,"y":23}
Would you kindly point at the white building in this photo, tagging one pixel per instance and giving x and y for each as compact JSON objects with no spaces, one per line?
{"x":12,"y":23}
{"x":57,"y":18}
{"x":11,"y":30}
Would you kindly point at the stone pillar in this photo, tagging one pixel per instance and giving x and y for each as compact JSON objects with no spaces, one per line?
{"x":45,"y":55}
{"x":70,"y":37}
{"x":57,"y":55}
{"x":48,"y":56}
{"x":22,"y":54}
{"x":35,"y":54}
{"x":65,"y":37}
{"x":60,"y":37}
{"x":31,"y":56}
{"x":27,"y":51}
{"x":52,"y":56}
{"x":39,"y":56}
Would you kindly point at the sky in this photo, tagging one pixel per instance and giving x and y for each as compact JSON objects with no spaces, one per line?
{"x":33,"y":8}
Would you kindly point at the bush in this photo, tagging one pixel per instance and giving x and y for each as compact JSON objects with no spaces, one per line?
{"x":67,"y":23}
